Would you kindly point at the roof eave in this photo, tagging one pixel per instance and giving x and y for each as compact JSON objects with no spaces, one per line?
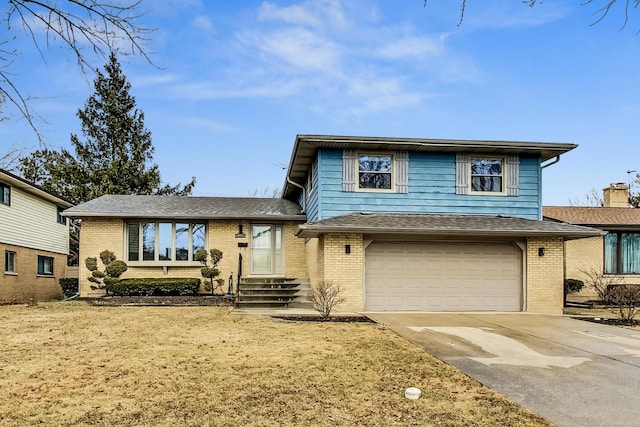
{"x":24,"y":185}
{"x":183,"y":217}
{"x":307,"y":232}
{"x":546,"y":150}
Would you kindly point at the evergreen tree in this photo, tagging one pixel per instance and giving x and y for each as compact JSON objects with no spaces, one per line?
{"x":116,"y":156}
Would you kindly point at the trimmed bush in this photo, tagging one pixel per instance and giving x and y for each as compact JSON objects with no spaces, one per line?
{"x":69,"y":286}
{"x":573,"y":285}
{"x":115,"y":268}
{"x":147,"y":287}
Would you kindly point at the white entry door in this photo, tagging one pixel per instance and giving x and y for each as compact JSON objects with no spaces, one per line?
{"x":266,"y":249}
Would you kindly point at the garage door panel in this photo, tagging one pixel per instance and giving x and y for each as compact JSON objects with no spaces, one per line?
{"x":430,"y":276}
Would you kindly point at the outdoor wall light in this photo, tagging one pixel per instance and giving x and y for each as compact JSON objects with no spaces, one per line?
{"x":240,"y":234}
{"x":347,"y":249}
{"x":540,"y":251}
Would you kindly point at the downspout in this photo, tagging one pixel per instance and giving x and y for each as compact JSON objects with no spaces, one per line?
{"x":556,"y":160}
{"x":304,"y":193}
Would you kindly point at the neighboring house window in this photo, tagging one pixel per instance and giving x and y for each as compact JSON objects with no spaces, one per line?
{"x":375,"y":171}
{"x":45,"y":265}
{"x":60,"y":218}
{"x":5,"y":194}
{"x":164,"y":241}
{"x":622,"y":253}
{"x":9,"y":262}
{"x":486,"y":175}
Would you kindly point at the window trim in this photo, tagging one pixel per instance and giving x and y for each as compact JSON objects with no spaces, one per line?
{"x":392,"y":187}
{"x":13,"y":257}
{"x":4,"y":187}
{"x":42,"y":272}
{"x":503,"y":180}
{"x":190,"y":262}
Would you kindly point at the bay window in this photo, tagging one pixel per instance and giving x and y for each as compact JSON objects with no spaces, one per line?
{"x":164,"y":241}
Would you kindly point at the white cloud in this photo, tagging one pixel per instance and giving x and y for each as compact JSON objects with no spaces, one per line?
{"x":203,"y":23}
{"x":295,"y":47}
{"x":413,"y":47}
{"x":313,"y":13}
{"x":341,"y":61}
{"x":207,"y":124}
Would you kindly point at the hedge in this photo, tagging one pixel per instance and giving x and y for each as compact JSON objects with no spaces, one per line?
{"x":69,"y":286}
{"x":161,"y":286}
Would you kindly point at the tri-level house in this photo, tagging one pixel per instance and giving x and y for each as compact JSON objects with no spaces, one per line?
{"x":398,"y":223}
{"x":34,"y":239}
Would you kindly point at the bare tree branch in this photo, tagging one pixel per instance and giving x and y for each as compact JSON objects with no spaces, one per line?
{"x":100,"y":25}
{"x":601,"y":12}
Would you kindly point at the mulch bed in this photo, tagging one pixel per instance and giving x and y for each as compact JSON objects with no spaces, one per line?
{"x":609,"y":321}
{"x":169,"y":301}
{"x":311,"y":318}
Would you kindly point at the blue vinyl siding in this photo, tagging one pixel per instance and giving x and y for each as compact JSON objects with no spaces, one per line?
{"x":431,"y":190}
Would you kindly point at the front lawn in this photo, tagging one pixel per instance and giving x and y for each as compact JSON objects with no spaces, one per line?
{"x":69,"y":363}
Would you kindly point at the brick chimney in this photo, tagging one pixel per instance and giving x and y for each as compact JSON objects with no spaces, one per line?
{"x":616,"y":196}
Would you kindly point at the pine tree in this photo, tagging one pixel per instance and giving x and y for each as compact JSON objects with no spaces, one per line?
{"x":116,"y":156}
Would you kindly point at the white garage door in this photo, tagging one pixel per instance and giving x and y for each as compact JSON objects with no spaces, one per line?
{"x":443,"y":276}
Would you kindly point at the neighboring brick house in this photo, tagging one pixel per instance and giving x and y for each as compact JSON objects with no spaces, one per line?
{"x":617,"y":252}
{"x":34,"y":240}
{"x":399,"y":224}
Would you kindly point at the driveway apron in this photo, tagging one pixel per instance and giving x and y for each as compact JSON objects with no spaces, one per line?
{"x":572,"y":372}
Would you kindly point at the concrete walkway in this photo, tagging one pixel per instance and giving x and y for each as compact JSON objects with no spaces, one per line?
{"x":572,"y":372}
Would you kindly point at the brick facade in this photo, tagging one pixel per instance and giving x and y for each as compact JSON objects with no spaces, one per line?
{"x":98,"y":234}
{"x":545,"y":275}
{"x":25,"y":283}
{"x":345,"y":269}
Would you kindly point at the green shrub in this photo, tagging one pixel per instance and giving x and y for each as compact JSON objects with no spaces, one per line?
{"x":151,"y":286}
{"x":115,"y":268}
{"x":573,"y":285}
{"x":107,"y":257}
{"x":91,"y":263}
{"x":69,"y":286}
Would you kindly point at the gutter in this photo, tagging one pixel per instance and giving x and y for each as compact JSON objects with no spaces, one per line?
{"x":304,"y":193}
{"x":553,"y":162}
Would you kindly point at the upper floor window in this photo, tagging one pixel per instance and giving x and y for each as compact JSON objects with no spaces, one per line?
{"x":9,"y":262}
{"x":45,"y":265}
{"x":375,"y":171}
{"x":622,"y":253}
{"x":60,"y":218}
{"x":5,"y":194}
{"x":164,"y":241}
{"x":486,"y":175}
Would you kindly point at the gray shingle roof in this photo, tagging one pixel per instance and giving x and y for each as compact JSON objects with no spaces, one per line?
{"x":176,"y":207}
{"x":430,"y":224}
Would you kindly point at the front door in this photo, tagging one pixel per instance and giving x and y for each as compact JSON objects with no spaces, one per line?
{"x":266,"y":249}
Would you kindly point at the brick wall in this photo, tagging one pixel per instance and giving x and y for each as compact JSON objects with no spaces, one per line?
{"x":584,"y":254}
{"x":97,"y":235}
{"x":545,"y":275}
{"x":346,"y":270}
{"x":25,"y":283}
{"x":100,"y":234}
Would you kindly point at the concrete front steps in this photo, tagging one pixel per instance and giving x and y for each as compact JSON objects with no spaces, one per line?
{"x":274,"y":293}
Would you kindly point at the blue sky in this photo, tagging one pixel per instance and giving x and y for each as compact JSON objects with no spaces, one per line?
{"x":236,"y":81}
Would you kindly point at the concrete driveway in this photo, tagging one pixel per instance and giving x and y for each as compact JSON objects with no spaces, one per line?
{"x":572,"y":372}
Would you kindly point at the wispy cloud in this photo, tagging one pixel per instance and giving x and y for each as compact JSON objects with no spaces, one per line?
{"x":341,"y":59}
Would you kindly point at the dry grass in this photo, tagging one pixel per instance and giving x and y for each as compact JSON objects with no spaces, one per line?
{"x":75,"y":364}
